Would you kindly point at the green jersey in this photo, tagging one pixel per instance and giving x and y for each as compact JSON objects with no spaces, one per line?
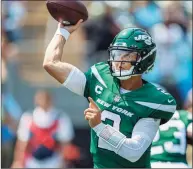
{"x":122,"y":111}
{"x":169,"y":144}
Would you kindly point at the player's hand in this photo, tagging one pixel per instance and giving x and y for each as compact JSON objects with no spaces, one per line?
{"x":93,"y":113}
{"x":71,"y":28}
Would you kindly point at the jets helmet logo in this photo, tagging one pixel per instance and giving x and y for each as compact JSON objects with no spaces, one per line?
{"x":145,"y":38}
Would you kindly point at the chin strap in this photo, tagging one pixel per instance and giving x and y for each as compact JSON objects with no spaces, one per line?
{"x":123,"y":74}
{"x":124,"y":77}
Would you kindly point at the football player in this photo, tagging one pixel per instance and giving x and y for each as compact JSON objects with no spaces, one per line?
{"x":169,"y":146}
{"x":125,"y":111}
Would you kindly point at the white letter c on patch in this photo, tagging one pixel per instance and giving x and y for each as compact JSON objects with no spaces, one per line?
{"x":98,"y":89}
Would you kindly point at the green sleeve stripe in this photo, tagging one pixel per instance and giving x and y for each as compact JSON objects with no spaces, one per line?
{"x":162,"y":107}
{"x":97,"y":75}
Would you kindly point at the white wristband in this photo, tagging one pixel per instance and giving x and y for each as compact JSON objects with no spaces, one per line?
{"x":63,"y":32}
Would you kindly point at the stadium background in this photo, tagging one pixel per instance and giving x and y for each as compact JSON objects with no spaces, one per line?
{"x":27,"y":29}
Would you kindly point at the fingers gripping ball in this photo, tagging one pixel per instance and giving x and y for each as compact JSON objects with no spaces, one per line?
{"x":67,"y":12}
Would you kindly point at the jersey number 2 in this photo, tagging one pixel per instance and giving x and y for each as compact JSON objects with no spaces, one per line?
{"x":116,"y":124}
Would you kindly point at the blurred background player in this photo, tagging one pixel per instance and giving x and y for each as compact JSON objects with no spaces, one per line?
{"x":169,"y":148}
{"x":188,"y":107}
{"x":42,"y":135}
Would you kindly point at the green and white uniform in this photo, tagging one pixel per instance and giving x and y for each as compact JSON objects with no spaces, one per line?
{"x":122,"y":111}
{"x":169,"y":145}
{"x":129,"y":119}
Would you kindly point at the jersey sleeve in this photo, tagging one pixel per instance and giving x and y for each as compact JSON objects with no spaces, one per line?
{"x":165,"y":110}
{"x":76,"y":81}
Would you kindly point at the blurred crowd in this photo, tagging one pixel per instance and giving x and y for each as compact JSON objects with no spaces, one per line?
{"x":169,"y":22}
{"x":12,"y":14}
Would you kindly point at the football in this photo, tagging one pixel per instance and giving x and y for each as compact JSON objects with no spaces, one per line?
{"x":67,"y":12}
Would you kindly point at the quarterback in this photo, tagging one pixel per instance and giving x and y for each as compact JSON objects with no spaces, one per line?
{"x":125,"y":111}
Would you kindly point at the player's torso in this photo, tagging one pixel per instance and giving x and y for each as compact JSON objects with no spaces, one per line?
{"x":169,"y":144}
{"x":120,"y":111}
{"x":43,"y":142}
{"x":122,"y":115}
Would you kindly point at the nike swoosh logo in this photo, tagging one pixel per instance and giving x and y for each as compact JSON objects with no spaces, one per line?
{"x":170,"y":100}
